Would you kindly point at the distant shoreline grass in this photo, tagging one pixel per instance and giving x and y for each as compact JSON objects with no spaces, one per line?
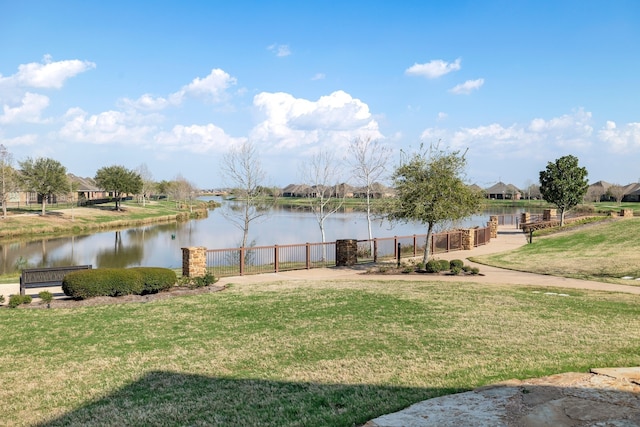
{"x":316,"y":353}
{"x":78,"y":220}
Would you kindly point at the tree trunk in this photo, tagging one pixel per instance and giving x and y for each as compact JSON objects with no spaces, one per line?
{"x":44,"y":206}
{"x":369,"y":221}
{"x":427,"y":247}
{"x":324,"y":247}
{"x":561,"y":217}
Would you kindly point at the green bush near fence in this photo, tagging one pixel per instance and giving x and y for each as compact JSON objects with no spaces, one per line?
{"x":156,"y":279}
{"x":115,"y":282}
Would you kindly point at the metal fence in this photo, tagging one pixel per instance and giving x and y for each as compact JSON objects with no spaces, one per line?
{"x":272,"y":259}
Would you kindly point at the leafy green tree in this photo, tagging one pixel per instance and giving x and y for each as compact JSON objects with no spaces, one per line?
{"x":119,"y":180}
{"x":8,"y":178}
{"x":45,"y":177}
{"x":564,"y":184}
{"x":430,"y":190}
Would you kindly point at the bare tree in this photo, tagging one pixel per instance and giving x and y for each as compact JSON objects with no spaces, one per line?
{"x":182,"y":191}
{"x":322,"y":174}
{"x":242,"y":172}
{"x":148,"y":184}
{"x":594,"y":194}
{"x":617,"y":192}
{"x":368,"y":160}
{"x":8,"y":182}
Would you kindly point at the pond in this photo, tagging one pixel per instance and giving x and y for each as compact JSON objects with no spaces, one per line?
{"x":160,"y":245}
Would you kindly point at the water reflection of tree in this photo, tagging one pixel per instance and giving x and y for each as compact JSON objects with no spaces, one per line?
{"x":37,"y":253}
{"x":121,"y":255}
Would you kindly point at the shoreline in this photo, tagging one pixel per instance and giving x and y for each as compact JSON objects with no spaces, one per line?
{"x":82,"y":220}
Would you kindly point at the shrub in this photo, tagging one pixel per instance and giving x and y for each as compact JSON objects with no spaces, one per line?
{"x":16,"y":300}
{"x":46,"y":296}
{"x":455,"y":270}
{"x":200,"y":282}
{"x":444,"y":264}
{"x":156,"y":279}
{"x":432,"y":266}
{"x":475,"y":270}
{"x":1,"y":299}
{"x":111,"y":282}
{"x":455,"y":263}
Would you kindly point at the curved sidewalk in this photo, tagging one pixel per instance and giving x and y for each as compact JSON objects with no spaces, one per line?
{"x":509,"y":237}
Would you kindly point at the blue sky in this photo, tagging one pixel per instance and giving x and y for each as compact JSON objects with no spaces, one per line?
{"x":173,"y":85}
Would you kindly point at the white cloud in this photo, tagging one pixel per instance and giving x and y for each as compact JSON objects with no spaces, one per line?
{"x":107,"y":127}
{"x":621,"y":139}
{"x":318,"y":76}
{"x":210,"y":88}
{"x":433,"y":69}
{"x":281,"y":50}
{"x":26,"y":139}
{"x":146,"y":102}
{"x":294,"y":122}
{"x":28,"y":111}
{"x":467,"y":87}
{"x":442,"y":116}
{"x":196,"y":138}
{"x":46,"y":74}
{"x":520,"y":141}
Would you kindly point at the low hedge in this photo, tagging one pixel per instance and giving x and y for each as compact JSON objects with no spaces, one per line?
{"x":110,"y":282}
{"x":113,"y":282}
{"x":156,"y":279}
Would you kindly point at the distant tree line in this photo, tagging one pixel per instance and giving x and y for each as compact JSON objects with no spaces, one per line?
{"x":48,"y":178}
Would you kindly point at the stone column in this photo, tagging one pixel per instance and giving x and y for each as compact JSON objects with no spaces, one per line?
{"x":468,"y":238}
{"x":194,"y":261}
{"x":626,"y":213}
{"x":493,"y":225}
{"x":525,"y":217}
{"x":549,"y":215}
{"x":346,"y":252}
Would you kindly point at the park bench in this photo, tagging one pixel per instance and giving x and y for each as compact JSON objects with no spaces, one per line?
{"x":32,"y":278}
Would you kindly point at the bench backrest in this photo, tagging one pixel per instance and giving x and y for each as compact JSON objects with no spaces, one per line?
{"x":46,"y":277}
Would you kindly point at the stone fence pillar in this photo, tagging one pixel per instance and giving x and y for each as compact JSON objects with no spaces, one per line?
{"x":346,"y":252}
{"x":493,"y":225}
{"x":525,"y":217}
{"x":626,"y":213}
{"x":468,"y":238}
{"x":549,"y":214}
{"x":194,"y":261}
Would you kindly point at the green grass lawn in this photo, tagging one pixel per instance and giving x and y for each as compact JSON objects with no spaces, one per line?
{"x":298,"y":354}
{"x":605,"y":251}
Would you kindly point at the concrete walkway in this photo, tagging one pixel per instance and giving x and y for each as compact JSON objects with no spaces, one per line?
{"x":508,"y":238}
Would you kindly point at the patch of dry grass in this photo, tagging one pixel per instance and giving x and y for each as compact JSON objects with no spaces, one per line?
{"x":298,"y":354}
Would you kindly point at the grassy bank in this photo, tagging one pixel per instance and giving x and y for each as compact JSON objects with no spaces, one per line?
{"x":79,"y":220}
{"x":298,"y":354}
{"x":605,"y":251}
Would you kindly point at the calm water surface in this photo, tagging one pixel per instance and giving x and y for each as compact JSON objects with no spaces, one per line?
{"x":160,"y":245}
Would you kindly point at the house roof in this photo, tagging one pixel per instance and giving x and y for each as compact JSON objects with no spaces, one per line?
{"x":604,"y":185}
{"x":502,"y":188}
{"x":632,"y":189}
{"x":83,"y":184}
